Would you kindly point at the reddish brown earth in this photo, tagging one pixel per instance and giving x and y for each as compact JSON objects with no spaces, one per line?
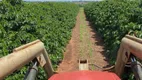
{"x":76,"y":45}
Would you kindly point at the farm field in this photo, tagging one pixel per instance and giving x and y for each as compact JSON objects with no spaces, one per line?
{"x":69,"y":32}
{"x":22,"y":22}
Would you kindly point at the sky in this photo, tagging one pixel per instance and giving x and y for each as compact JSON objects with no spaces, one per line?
{"x":61,"y":0}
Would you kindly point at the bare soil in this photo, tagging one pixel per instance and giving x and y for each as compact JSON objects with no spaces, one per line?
{"x":84,"y":44}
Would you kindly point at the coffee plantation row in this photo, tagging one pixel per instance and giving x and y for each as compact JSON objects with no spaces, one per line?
{"x":113,"y":20}
{"x":23,"y":22}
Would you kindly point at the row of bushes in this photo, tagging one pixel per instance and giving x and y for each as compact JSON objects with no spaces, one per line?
{"x":23,"y":22}
{"x":113,"y":20}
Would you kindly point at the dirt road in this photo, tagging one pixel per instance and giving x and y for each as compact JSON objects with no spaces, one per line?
{"x":84,"y":44}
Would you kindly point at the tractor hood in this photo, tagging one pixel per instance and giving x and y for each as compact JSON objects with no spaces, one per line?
{"x":85,"y":75}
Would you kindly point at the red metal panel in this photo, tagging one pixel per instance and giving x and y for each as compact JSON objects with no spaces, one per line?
{"x":85,"y":75}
